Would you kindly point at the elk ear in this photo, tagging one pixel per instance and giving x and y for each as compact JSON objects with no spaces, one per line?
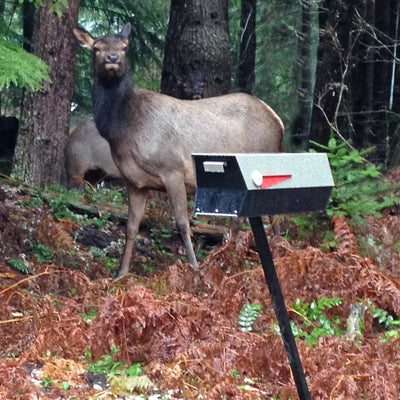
{"x":84,"y":38}
{"x":125,"y":31}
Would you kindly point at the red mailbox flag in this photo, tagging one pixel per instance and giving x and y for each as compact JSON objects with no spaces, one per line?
{"x":270,"y":180}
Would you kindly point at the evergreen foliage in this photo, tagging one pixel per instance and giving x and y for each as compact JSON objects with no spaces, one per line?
{"x":314,"y":321}
{"x":20,"y":68}
{"x":391,"y":324}
{"x":359,"y":190}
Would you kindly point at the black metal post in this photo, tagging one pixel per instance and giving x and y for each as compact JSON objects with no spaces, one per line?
{"x":279,"y":306}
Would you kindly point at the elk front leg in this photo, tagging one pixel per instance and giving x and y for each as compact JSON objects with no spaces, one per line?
{"x":136,"y":209}
{"x":174,"y":183}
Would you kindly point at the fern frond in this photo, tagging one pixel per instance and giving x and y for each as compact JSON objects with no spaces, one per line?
{"x":248,"y":315}
{"x":126,"y":385}
{"x":20,"y":68}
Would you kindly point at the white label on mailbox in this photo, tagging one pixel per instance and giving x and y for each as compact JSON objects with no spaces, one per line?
{"x":214,"y":166}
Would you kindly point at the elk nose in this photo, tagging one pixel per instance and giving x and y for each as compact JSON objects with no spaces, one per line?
{"x":113,"y":58}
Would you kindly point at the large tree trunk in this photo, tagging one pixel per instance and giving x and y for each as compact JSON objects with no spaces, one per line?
{"x":247,"y":50}
{"x":197,"y":56}
{"x":39,"y":154}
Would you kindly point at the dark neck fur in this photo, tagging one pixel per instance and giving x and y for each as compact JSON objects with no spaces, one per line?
{"x":110,"y":99}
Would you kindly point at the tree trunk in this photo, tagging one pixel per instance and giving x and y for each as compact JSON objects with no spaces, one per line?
{"x":336,"y":61}
{"x":384,"y":19}
{"x":247,"y":51}
{"x":28,"y":14}
{"x":39,"y":154}
{"x":302,"y":124}
{"x":197,"y":54}
{"x":353,"y":89}
{"x":370,"y":79}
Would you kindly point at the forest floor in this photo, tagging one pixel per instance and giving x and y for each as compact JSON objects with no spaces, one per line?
{"x":166,"y":331}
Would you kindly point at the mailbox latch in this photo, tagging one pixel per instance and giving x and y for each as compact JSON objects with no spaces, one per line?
{"x":214,"y":166}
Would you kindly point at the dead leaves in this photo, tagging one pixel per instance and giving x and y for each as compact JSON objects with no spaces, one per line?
{"x":57,"y":234}
{"x":183,"y":323}
{"x":347,"y":241}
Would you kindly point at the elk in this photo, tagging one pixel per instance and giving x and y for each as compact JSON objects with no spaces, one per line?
{"x":87,"y":150}
{"x":152,"y":135}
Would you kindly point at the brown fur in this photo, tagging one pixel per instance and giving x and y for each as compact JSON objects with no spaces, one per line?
{"x":86,"y":150}
{"x":152,"y":135}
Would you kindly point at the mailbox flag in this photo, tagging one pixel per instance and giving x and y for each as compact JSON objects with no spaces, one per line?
{"x":270,"y":180}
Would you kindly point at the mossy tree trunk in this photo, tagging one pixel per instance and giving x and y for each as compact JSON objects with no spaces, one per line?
{"x":43,"y":132}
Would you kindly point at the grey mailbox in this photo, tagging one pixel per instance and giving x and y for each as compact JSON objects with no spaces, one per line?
{"x":259,"y":184}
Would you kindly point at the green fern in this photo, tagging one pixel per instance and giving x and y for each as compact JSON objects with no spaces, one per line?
{"x":359,"y":188}
{"x":127,"y":385}
{"x":391,"y":324}
{"x":248,"y":315}
{"x":20,"y":68}
{"x":314,"y":323}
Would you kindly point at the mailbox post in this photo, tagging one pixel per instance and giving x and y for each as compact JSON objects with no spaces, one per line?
{"x":259,"y":184}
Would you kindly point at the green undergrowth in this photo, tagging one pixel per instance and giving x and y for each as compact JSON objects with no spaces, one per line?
{"x":248,"y":315}
{"x":325,"y":317}
{"x":359,"y":191}
{"x":123,"y":379}
{"x":73,"y":203}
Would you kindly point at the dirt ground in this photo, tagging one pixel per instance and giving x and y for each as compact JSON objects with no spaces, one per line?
{"x":182,"y":325}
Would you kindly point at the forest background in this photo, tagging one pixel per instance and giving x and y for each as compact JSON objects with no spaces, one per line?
{"x":324,"y":66}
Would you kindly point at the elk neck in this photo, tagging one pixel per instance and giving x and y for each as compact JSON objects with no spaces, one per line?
{"x":110,"y":105}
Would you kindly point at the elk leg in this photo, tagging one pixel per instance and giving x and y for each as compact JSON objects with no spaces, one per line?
{"x":136,"y":209}
{"x":175,"y":186}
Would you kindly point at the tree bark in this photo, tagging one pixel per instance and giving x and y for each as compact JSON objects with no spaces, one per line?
{"x":302,"y":124}
{"x":247,"y":50}
{"x":39,"y":154}
{"x":197,"y":53}
{"x":369,"y":83}
{"x":353,"y":87}
{"x":28,"y":13}
{"x":335,"y":62}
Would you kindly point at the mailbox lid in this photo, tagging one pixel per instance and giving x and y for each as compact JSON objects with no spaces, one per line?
{"x":306,"y":170}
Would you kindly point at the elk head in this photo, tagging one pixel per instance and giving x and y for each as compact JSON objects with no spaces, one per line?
{"x":109,"y":52}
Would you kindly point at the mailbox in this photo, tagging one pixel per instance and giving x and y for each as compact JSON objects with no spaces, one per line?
{"x":252,"y":185}
{"x":261,"y":184}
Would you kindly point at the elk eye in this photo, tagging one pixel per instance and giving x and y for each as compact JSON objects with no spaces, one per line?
{"x":125,"y":48}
